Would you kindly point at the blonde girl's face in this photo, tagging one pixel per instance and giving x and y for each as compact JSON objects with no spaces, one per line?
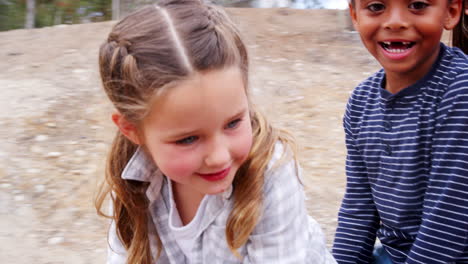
{"x":199,"y":132}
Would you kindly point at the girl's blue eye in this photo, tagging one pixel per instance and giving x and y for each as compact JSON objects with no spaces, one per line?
{"x":187,"y":140}
{"x":418,"y":5}
{"x":376,"y":7}
{"x":233,"y":124}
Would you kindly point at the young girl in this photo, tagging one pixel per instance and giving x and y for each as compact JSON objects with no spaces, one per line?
{"x":460,"y":32}
{"x":195,"y":173}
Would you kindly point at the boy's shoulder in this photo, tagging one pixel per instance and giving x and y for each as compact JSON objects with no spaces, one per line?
{"x":454,"y":69}
{"x":455,"y":60}
{"x":367,"y":89}
{"x":373,"y":82}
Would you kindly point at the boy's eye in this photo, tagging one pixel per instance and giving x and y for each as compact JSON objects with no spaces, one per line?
{"x":418,"y":5}
{"x":376,"y":7}
{"x":233,"y":124}
{"x":187,"y":140}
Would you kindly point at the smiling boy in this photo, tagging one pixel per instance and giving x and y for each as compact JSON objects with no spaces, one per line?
{"x":406,"y":132}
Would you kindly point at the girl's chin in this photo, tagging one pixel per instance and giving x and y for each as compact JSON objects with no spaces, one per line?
{"x":215,"y":192}
{"x":218,"y":190}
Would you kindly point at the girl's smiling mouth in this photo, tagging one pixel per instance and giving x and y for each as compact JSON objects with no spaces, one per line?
{"x":215,"y":176}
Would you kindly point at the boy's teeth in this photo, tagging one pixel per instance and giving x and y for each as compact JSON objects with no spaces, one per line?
{"x":396,"y":50}
{"x":387,"y":43}
{"x":406,"y":43}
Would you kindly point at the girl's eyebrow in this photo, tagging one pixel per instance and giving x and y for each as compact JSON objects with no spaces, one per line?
{"x":239,"y":113}
{"x":180,"y":135}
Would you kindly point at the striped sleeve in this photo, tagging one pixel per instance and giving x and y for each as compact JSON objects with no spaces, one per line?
{"x":358,"y":220}
{"x":443,"y":233}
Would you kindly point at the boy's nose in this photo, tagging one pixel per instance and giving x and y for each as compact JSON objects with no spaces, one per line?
{"x":396,"y":20}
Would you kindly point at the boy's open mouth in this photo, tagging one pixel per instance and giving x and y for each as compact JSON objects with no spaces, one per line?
{"x":396,"y":46}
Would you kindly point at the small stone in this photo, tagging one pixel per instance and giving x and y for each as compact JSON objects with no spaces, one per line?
{"x":80,"y":71}
{"x":101,"y":146}
{"x":14,"y":53}
{"x":6,"y":185}
{"x":39,"y":188}
{"x":41,"y":138}
{"x":53,"y":154}
{"x":33,"y":171}
{"x":69,"y":51}
{"x":51,"y":124}
{"x":55,"y":240}
{"x":76,"y":172}
{"x":81,"y":152}
{"x":35,"y":149}
{"x":19,"y":198}
{"x":294,"y":99}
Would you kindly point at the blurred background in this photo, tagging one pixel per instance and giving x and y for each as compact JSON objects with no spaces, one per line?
{"x":55,"y":127}
{"x":16,"y":14}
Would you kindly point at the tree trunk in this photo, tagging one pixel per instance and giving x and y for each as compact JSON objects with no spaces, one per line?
{"x":345,"y":20}
{"x":30,"y":13}
{"x":115,"y":9}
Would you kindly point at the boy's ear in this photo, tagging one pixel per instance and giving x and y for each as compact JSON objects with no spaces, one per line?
{"x":453,"y":14}
{"x":352,"y":14}
{"x":466,"y":7}
{"x":128,"y":129}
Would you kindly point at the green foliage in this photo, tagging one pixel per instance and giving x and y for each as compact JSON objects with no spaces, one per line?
{"x":53,"y":12}
{"x":12,"y":14}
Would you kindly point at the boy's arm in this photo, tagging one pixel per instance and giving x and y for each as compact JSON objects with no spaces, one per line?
{"x":443,"y":234}
{"x":358,"y":220}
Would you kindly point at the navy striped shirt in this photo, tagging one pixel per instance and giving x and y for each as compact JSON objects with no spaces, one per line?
{"x":407,"y":168}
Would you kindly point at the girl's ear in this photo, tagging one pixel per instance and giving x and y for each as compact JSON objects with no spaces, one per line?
{"x":127,"y":128}
{"x":454,"y":12}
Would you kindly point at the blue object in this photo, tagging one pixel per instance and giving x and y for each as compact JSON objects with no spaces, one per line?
{"x":381,"y":256}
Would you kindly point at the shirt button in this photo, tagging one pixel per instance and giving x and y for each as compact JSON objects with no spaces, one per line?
{"x":387,"y":126}
{"x":388,"y":149}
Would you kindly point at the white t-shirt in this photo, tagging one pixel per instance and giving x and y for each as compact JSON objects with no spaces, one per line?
{"x":185,"y":235}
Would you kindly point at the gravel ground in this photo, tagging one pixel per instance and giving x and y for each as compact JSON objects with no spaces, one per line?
{"x":55,"y":126}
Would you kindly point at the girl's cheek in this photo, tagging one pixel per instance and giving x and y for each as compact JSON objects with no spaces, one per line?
{"x":178,"y":164}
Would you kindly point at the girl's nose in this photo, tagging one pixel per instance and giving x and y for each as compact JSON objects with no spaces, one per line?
{"x":396,"y":20}
{"x":218,"y":155}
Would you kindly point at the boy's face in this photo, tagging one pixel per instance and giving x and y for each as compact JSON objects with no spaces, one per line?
{"x":404,"y":35}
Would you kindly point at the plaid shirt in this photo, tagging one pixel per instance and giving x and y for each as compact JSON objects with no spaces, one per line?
{"x":284,"y":234}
